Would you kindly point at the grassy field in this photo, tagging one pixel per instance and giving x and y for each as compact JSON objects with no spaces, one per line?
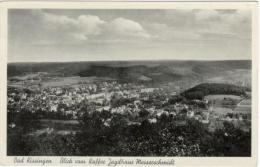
{"x":63,"y":81}
{"x":221,"y":97}
{"x":223,"y":104}
{"x":222,"y":110}
{"x":58,"y":82}
{"x":62,"y":127}
{"x":60,"y":124}
{"x":243,"y":107}
{"x":245,"y":102}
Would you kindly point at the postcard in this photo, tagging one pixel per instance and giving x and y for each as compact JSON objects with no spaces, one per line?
{"x":128,"y":83}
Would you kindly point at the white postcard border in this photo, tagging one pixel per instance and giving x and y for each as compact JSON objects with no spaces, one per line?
{"x":179,"y":161}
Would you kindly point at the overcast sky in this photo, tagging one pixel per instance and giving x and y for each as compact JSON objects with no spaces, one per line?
{"x":89,"y":35}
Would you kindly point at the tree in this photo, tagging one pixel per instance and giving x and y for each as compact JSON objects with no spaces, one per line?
{"x":232,"y":141}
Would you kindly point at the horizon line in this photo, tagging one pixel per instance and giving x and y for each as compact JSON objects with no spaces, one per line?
{"x":160,"y":60}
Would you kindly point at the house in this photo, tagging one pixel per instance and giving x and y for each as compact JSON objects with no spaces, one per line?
{"x":198,"y":117}
{"x":24,"y":96}
{"x":147,"y":90}
{"x":152,"y":120}
{"x":160,"y":112}
{"x":190,"y":114}
{"x":12,"y":125}
{"x":54,"y":108}
{"x":204,"y":121}
{"x":173,"y":93}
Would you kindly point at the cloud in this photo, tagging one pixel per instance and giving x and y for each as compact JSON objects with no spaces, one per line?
{"x":235,"y":24}
{"x":125,"y":27}
{"x":78,"y":29}
{"x":73,"y":34}
{"x":202,"y":24}
{"x":164,"y":32}
{"x":89,"y":27}
{"x":174,"y":25}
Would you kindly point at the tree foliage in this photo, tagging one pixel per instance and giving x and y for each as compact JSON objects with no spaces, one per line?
{"x":199,"y":91}
{"x":107,"y":134}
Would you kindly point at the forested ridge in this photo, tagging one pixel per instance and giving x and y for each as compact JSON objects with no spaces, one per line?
{"x":204,"y":89}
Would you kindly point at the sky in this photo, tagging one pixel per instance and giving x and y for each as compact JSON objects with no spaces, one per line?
{"x":58,"y":35}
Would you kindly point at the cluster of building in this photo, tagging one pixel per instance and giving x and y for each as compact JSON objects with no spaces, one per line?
{"x":66,"y":99}
{"x":122,"y":98}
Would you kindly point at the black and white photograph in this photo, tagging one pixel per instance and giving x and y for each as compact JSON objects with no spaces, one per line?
{"x":129,"y":82}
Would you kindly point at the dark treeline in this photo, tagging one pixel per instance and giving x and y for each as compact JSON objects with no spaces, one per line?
{"x":107,"y":134}
{"x":202,"y":90}
{"x":167,"y":68}
{"x":137,"y":73}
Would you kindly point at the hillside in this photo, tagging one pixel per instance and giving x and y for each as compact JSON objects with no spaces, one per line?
{"x":230,"y":71}
{"x":201,"y":90}
{"x":132,"y":73}
{"x":72,"y":68}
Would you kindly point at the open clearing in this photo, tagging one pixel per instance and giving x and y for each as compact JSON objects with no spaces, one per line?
{"x":221,"y":97}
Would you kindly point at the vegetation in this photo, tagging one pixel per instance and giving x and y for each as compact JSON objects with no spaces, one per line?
{"x":167,"y":132}
{"x":134,"y":73}
{"x":118,"y":138}
{"x":199,"y":91}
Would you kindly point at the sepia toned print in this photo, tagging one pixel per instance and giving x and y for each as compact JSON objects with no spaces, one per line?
{"x":129,"y":82}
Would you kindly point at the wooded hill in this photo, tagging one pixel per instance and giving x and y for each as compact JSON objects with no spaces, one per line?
{"x":201,"y":90}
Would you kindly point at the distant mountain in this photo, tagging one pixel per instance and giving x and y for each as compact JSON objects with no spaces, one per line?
{"x":201,"y":90}
{"x":132,"y":73}
{"x":63,"y":69}
{"x":143,"y":71}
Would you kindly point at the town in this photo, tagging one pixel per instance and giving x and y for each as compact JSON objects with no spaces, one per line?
{"x":128,"y":99}
{"x":135,"y":110}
